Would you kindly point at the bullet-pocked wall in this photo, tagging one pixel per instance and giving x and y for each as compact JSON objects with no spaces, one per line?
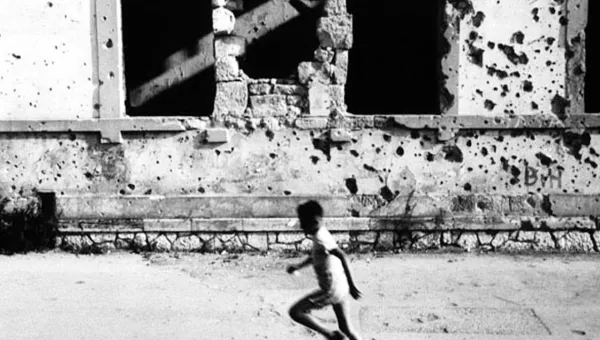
{"x":47,"y":70}
{"x":470,"y":177}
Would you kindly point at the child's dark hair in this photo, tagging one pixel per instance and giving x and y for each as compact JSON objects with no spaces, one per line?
{"x":309,"y":210}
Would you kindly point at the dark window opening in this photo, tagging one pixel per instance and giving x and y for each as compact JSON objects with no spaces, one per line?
{"x":277,"y":53}
{"x":157,"y":36}
{"x":394,"y":63}
{"x":592,"y":75}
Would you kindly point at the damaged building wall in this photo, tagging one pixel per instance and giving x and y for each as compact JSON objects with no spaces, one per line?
{"x":522,"y":181}
{"x":47,"y":70}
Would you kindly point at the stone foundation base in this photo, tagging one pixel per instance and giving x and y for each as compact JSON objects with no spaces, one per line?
{"x":351,"y":241}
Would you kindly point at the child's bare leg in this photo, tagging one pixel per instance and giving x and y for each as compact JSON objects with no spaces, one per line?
{"x":299,"y":312}
{"x":342,"y":312}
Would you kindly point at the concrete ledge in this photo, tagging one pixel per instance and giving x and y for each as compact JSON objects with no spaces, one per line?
{"x":432,"y":208}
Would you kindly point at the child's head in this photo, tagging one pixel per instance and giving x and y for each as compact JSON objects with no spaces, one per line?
{"x":310,"y":214}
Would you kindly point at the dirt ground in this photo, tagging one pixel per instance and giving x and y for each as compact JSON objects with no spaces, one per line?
{"x":193,"y":296}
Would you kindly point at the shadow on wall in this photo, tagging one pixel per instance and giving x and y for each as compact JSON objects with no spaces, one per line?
{"x":161,"y":36}
{"x":394,"y":62}
{"x":592,"y":76}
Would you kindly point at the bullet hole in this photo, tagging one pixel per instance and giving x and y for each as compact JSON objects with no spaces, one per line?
{"x":429,"y":157}
{"x":563,"y":20}
{"x":387,"y":138}
{"x":369,"y":168}
{"x":516,"y":74}
{"x":377,"y":150}
{"x":482,"y":205}
{"x":218,"y":152}
{"x":287,"y":193}
{"x":547,"y":205}
{"x":527,"y":86}
{"x":479,"y":92}
{"x":122,"y":191}
{"x":489,"y":105}
{"x":559,"y":105}
{"x":514,"y":58}
{"x":550,"y":41}
{"x":517,"y":37}
{"x":88,"y":175}
{"x":494,"y":71}
{"x":452,"y":153}
{"x":467,"y":187}
{"x":545,"y":160}
{"x":270,"y":134}
{"x":50,"y":4}
{"x":354,"y":153}
{"x":354,"y":213}
{"x":491,"y":45}
{"x":535,"y":13}
{"x":473,"y":35}
{"x":574,"y":142}
{"x":323,"y":145}
{"x":476,"y":55}
{"x":478,"y":18}
{"x":484,"y":151}
{"x":201,"y":190}
{"x":515,"y":171}
{"x":552,"y":10}
{"x":109,"y":43}
{"x":269,"y":189}
{"x":469,"y":143}
{"x":351,"y":185}
{"x":534,"y":105}
{"x":314,"y":159}
{"x":415,"y":134}
{"x":273,"y":155}
{"x":591,"y":163}
{"x":158,"y":178}
{"x":400,"y":151}
{"x":387,"y":194}
{"x":148,"y":192}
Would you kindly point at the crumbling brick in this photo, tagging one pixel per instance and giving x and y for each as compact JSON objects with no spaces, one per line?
{"x":227,"y":69}
{"x":323,"y":55}
{"x":335,"y":7}
{"x":231,"y":99}
{"x":315,"y":72}
{"x":340,"y":73}
{"x":290,"y":90}
{"x":259,"y":88}
{"x":229,"y":46}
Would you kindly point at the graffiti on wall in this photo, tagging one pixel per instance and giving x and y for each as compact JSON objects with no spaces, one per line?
{"x":546,"y":177}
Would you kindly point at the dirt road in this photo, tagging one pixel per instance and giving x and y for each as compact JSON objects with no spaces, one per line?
{"x":407,"y":296}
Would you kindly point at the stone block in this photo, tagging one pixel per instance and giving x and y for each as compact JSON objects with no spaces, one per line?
{"x":319,"y":100}
{"x":367,"y":237}
{"x":304,"y":246}
{"x":500,"y":238}
{"x":231,"y":98}
{"x":340,"y":72}
{"x":258,"y":241}
{"x":485,"y":238}
{"x":223,"y":21}
{"x":324,"y":55}
{"x":315,"y":72}
{"x":290,"y":237}
{"x":335,"y":7}
{"x":290,"y":90}
{"x":574,"y":241}
{"x":282,"y":247}
{"x":337,"y":94}
{"x":428,"y":241}
{"x":227,"y":69}
{"x":468,"y":241}
{"x":161,"y":244}
{"x":515,"y":246}
{"x":544,"y":241}
{"x":161,"y":225}
{"x":335,"y":32}
{"x":217,"y":136}
{"x":229,"y":46}
{"x":76,"y":243}
{"x":574,"y":205}
{"x":103,"y":238}
{"x":140,"y":241}
{"x":187,"y":243}
{"x":386,"y":240}
{"x":260,"y":88}
{"x":270,"y":105}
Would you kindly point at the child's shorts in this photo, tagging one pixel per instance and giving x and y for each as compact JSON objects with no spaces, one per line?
{"x":321,"y":298}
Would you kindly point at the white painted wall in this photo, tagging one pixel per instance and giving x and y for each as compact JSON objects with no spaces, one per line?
{"x":502,"y":20}
{"x":46,"y":59}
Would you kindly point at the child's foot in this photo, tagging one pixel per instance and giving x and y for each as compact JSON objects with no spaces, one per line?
{"x":337,"y":335}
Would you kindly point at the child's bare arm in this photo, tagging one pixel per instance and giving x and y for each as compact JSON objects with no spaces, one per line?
{"x":301,"y":265}
{"x":337,"y":252}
